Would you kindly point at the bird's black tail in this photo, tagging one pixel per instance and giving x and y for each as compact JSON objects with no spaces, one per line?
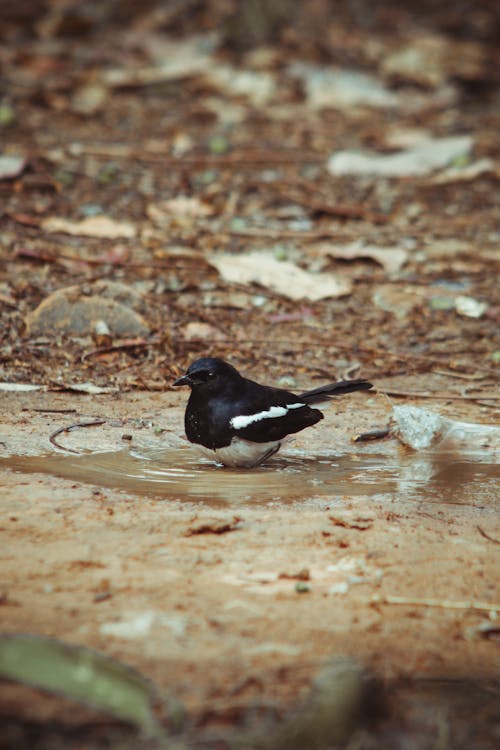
{"x":324,"y":392}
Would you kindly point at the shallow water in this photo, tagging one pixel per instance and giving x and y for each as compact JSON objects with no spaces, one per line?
{"x":181,"y":474}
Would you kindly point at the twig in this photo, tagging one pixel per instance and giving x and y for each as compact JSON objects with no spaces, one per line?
{"x":71,"y":427}
{"x":372,"y":435}
{"x":461,"y":375}
{"x":51,"y":411}
{"x":236,"y":159}
{"x":487,"y":536}
{"x":342,"y":210}
{"x":281,"y":233}
{"x":443,"y":603}
{"x":176,"y":261}
{"x":442,"y":396}
{"x":132,"y":344}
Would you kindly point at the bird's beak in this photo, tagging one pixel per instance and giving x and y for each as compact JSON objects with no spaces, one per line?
{"x":184,"y":380}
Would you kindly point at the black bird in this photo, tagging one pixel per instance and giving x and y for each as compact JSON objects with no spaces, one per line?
{"x":239,"y":422}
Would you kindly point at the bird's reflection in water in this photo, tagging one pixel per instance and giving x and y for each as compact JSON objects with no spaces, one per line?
{"x":179,"y":474}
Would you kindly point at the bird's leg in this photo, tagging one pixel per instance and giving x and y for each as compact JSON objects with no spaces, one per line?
{"x":266,"y":455}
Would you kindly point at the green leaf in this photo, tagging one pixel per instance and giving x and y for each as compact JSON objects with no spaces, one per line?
{"x":81,"y":674}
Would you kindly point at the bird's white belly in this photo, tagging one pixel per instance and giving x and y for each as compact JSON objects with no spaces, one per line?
{"x":242,"y":453}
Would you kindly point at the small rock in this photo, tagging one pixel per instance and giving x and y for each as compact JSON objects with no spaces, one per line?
{"x":301,"y":587}
{"x":11,"y":166}
{"x":469,"y":307}
{"x":78,"y":309}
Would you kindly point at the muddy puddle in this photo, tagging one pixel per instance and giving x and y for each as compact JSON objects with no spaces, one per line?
{"x":180,"y":474}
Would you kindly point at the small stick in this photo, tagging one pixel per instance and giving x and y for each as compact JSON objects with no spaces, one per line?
{"x":372,"y":435}
{"x":443,"y":603}
{"x":71,"y":427}
{"x":461,"y":375}
{"x":487,"y":536}
{"x":124,"y":345}
{"x":440,"y":396}
{"x":51,"y":411}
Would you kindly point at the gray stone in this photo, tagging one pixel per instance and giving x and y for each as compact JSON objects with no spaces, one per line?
{"x":77,"y":309}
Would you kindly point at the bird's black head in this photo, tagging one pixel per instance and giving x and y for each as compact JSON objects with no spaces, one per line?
{"x":208,"y":373}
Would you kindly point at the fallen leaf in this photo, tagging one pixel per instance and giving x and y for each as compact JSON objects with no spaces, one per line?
{"x":89,"y":98}
{"x":282,"y":277}
{"x":353,"y":522}
{"x":215,"y":526}
{"x":174,"y":59}
{"x":398,"y":299}
{"x":258,"y":86}
{"x":182,"y":207}
{"x":423,"y":158}
{"x":200,"y":330}
{"x":392,"y":259}
{"x":301,"y":575}
{"x":328,"y":715}
{"x":27,"y":219}
{"x":20,"y":387}
{"x":78,"y":673}
{"x":342,"y":89}
{"x":431,"y":59}
{"x":91,"y":226}
{"x":467,"y":172}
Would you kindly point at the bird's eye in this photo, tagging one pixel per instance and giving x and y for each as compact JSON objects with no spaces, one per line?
{"x":204,"y":375}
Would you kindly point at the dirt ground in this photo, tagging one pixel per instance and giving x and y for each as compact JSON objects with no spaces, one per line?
{"x":224,"y":629}
{"x":230,"y":590}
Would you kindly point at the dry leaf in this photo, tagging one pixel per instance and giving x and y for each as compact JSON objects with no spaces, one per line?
{"x":21,"y":387}
{"x":467,"y":172}
{"x":280,"y":276}
{"x":89,"y":388}
{"x":91,"y":226}
{"x":89,"y":98}
{"x":173,"y":59}
{"x":421,"y":159}
{"x":432,"y":59}
{"x":214,"y":526}
{"x":199,"y":330}
{"x":258,"y":86}
{"x":182,"y":207}
{"x":341,"y":88}
{"x":353,"y":522}
{"x":392,"y":259}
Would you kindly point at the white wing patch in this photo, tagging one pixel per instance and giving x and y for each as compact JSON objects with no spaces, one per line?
{"x":239,"y":423}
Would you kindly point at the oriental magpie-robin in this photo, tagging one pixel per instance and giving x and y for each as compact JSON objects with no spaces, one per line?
{"x":239,"y":422}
